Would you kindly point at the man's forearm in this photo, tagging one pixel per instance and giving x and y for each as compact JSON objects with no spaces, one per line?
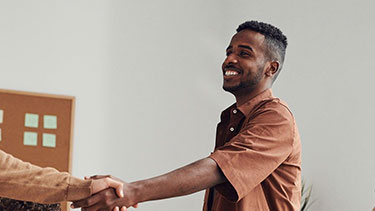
{"x":27,"y":182}
{"x":189,"y":179}
{"x":194,"y":177}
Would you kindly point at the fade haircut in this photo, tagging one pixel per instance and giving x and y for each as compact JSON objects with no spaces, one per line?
{"x":275,"y":41}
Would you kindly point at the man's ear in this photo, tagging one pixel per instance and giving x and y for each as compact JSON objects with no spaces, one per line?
{"x":272,"y":69}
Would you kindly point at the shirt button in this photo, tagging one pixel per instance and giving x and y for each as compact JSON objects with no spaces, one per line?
{"x":231,"y":129}
{"x":234,"y":111}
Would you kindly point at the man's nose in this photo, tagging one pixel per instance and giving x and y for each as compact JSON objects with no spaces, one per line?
{"x":231,"y":59}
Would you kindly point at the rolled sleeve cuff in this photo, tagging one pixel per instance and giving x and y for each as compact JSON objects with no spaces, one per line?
{"x":78,"y":189}
{"x":231,"y":189}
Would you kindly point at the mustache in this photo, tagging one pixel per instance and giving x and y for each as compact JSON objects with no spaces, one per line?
{"x":231,"y":66}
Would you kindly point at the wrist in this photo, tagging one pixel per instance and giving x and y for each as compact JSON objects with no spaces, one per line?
{"x":132,"y":192}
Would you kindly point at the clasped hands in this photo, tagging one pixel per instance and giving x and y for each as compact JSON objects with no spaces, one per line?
{"x":107,"y":194}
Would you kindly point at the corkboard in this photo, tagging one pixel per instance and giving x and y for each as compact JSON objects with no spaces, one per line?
{"x":15,"y":105}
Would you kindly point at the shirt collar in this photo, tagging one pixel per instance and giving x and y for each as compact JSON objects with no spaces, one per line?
{"x":248,"y":106}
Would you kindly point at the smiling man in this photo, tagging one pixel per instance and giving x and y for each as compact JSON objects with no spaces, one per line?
{"x":256,"y":164}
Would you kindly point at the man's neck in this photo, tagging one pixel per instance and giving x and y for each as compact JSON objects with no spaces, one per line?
{"x":245,"y":96}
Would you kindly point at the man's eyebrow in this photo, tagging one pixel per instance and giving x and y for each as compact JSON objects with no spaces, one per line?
{"x":241,"y":46}
{"x":246,"y":46}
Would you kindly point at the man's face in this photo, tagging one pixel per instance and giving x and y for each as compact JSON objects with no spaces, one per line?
{"x":243,"y":68}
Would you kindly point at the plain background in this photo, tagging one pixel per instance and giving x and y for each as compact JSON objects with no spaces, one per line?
{"x":147,"y":78}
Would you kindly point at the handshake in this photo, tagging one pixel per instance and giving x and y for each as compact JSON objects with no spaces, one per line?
{"x":107,"y":194}
{"x":47,"y":185}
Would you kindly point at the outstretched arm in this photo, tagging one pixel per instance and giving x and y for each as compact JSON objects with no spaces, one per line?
{"x":194,"y":177}
{"x":186,"y":180}
{"x":24,"y":181}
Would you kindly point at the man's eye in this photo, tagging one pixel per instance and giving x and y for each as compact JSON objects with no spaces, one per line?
{"x":244,"y":53}
{"x":228,"y":53}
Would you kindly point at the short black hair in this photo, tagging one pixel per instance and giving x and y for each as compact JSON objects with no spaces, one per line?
{"x":276,"y":41}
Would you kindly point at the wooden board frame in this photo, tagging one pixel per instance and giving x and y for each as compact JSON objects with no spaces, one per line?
{"x":15,"y":105}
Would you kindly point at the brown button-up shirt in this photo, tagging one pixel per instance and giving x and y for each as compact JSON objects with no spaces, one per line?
{"x":258,"y":149}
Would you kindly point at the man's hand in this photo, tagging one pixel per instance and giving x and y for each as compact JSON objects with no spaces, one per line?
{"x":107,"y":182}
{"x":103,"y":183}
{"x":104,"y":200}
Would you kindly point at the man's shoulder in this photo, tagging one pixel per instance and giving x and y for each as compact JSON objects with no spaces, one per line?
{"x":277,"y":103}
{"x":272,"y":106}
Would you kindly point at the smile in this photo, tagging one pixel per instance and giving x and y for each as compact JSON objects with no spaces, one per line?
{"x":230,"y":73}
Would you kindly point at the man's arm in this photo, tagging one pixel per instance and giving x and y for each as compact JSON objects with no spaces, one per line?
{"x":24,"y":181}
{"x":194,"y":177}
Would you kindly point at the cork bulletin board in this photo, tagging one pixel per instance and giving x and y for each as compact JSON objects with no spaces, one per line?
{"x":37,"y":128}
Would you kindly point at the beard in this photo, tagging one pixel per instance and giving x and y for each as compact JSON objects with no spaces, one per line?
{"x":248,"y":84}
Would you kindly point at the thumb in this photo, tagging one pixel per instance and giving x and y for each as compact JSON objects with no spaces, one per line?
{"x":119,"y":186}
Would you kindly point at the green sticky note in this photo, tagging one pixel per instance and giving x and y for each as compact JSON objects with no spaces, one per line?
{"x":50,"y":122}
{"x":31,"y":120}
{"x":1,"y":116}
{"x":30,"y":138}
{"x":49,"y":140}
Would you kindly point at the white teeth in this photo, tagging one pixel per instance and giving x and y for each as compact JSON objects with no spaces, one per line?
{"x":228,"y":73}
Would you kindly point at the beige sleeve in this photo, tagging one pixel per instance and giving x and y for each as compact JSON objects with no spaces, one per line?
{"x":23,"y":181}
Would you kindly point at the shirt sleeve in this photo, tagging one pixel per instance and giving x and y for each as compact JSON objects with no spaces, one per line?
{"x":23,"y":181}
{"x":252,"y":155}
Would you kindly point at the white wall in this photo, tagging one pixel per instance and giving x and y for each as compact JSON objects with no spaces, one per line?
{"x":147,"y":79}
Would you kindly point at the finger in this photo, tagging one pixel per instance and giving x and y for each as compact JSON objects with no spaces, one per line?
{"x":116,"y":209}
{"x":123,"y":208}
{"x":99,"y":176}
{"x":116,"y":185}
{"x":104,"y":176}
{"x":88,"y":202}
